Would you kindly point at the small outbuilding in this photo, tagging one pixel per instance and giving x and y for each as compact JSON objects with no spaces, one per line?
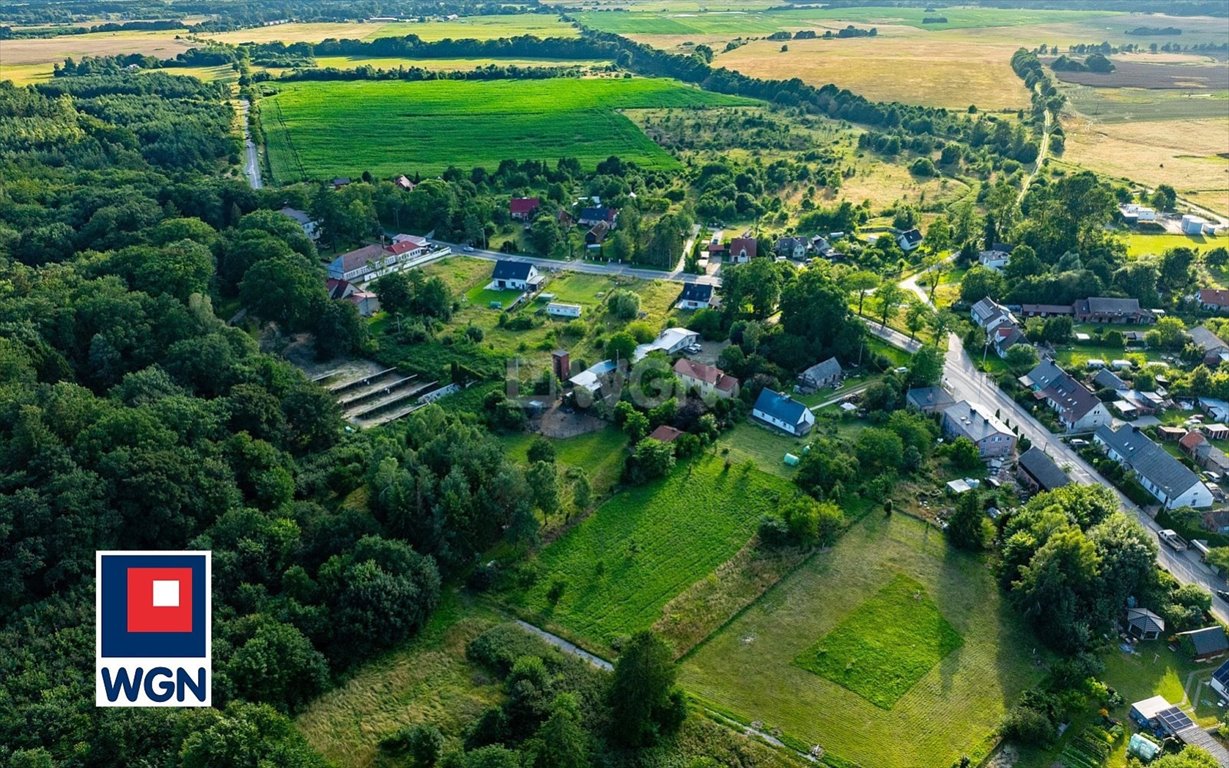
{"x":1144,"y":624}
{"x":1206,"y":643}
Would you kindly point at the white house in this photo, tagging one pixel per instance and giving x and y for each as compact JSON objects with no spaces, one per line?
{"x":671,"y":341}
{"x":696,"y":296}
{"x":989,"y":314}
{"x":742,"y":249}
{"x":372,"y":261}
{"x":991,"y":436}
{"x":783,"y":412}
{"x":556,"y":309}
{"x":1163,"y":476}
{"x":1136,"y":214}
{"x":994,"y":258}
{"x":515,"y":275}
{"x":909,"y":240}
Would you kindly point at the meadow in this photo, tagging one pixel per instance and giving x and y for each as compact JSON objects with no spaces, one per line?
{"x":450,"y":65}
{"x":28,"y":61}
{"x":748,"y":669}
{"x":624,"y":563}
{"x":599,"y":454}
{"x":475,"y":27}
{"x":322,"y":129}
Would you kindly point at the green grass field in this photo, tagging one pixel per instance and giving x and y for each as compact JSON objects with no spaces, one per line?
{"x":599,"y":454}
{"x":646,"y":545}
{"x":747,"y":669}
{"x":1155,"y":245}
{"x":448,"y":65}
{"x":886,"y":645}
{"x":477,"y":27}
{"x":323,"y":129}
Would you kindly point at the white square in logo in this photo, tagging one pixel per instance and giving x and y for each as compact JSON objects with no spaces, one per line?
{"x":166,"y":594}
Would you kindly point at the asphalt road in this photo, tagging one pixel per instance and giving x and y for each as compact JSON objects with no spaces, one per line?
{"x":587,"y":267}
{"x":251,"y":163}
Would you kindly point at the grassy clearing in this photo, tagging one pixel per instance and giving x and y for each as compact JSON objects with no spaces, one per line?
{"x":646,"y":545}
{"x":599,"y":454}
{"x":449,"y":65}
{"x":748,"y":668}
{"x":886,"y":645}
{"x":752,"y":441}
{"x":323,"y":129}
{"x":1154,"y":245}
{"x":476,"y":27}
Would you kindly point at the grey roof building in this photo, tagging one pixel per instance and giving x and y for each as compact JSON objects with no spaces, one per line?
{"x":929,"y":399}
{"x":1107,"y":379}
{"x":1161,"y":474}
{"x":1041,"y":471}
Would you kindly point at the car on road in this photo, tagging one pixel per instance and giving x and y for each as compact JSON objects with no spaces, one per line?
{"x":1223,"y":595}
{"x":467,"y":248}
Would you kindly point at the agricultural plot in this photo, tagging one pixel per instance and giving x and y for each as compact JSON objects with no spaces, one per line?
{"x":1137,"y":74}
{"x":450,"y":65}
{"x":646,"y":545}
{"x":323,"y":129}
{"x":748,"y":668}
{"x":48,"y":50}
{"x":475,"y":27}
{"x":886,"y":645}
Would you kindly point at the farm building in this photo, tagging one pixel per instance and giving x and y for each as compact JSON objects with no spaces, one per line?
{"x":405,"y":183}
{"x":1136,"y":214}
{"x":696,"y":296}
{"x":1162,"y":475}
{"x":823,"y":374}
{"x":1193,"y":225}
{"x":929,"y":400}
{"x":1144,"y":624}
{"x":742,"y":249}
{"x":1203,"y":453}
{"x":671,"y":341}
{"x":1170,"y":434}
{"x":1046,"y":310}
{"x":909,"y":240}
{"x":783,"y":412}
{"x":523,"y":208}
{"x":1038,"y":472}
{"x":991,"y":436}
{"x":1213,"y":299}
{"x":1204,"y":644}
{"x":515,"y":275}
{"x":556,"y":309}
{"x":1098,"y":309}
{"x":597,"y":235}
{"x":1217,"y":409}
{"x":706,"y":379}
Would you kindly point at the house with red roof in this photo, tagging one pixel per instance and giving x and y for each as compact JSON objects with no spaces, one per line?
{"x":742,"y":249}
{"x":706,"y":379}
{"x":523,"y":208}
{"x":1214,"y":299}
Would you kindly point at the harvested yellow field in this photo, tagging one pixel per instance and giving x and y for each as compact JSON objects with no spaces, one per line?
{"x":25,"y":74}
{"x":912,"y":67}
{"x":48,"y":50}
{"x":1190,"y":155}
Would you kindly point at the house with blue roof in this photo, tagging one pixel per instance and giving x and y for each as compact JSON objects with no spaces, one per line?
{"x":783,"y":412}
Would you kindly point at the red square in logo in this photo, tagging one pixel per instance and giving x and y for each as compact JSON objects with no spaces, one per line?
{"x":159,"y":599}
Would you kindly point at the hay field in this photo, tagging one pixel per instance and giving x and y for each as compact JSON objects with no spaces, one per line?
{"x":1191,"y":155}
{"x":48,"y":50}
{"x":478,"y":27}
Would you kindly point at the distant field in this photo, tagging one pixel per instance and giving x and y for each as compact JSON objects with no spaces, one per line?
{"x":646,"y":545}
{"x":323,"y":129}
{"x":1141,"y":74}
{"x":51,"y":50}
{"x":477,"y":27}
{"x":748,"y":669}
{"x":1117,"y":105}
{"x":444,"y":65}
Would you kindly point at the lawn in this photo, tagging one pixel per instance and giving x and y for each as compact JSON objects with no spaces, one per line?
{"x":886,"y":645}
{"x":748,"y":668}
{"x":753,"y":441}
{"x":644,"y":546}
{"x":324,"y":129}
{"x":1139,"y":244}
{"x":599,"y":454}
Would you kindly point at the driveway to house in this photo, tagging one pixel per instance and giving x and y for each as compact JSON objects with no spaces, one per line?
{"x":587,"y":267}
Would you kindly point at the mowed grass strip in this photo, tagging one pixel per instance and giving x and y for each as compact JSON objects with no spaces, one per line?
{"x":886,"y":645}
{"x":646,"y":545}
{"x":322,"y":129}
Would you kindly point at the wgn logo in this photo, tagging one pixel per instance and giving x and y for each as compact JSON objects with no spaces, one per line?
{"x":153,"y":629}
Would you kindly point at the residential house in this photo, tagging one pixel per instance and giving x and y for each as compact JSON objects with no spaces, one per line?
{"x":366,"y":302}
{"x":1213,"y":299}
{"x":929,"y":400}
{"x":1098,"y":309}
{"x":597,"y":235}
{"x":1215,"y":351}
{"x":665,"y":434}
{"x":594,"y":378}
{"x":1162,"y":475}
{"x":988,"y":314}
{"x":310,"y":226}
{"x":1193,"y":225}
{"x":372,"y":261}
{"x":515,"y":275}
{"x":1046,"y":310}
{"x":1144,"y":624}
{"x":1038,"y":472}
{"x":592,"y":215}
{"x":1078,"y":409}
{"x":821,"y":247}
{"x":995,"y":257}
{"x":783,"y":412}
{"x":1042,"y":375}
{"x":1203,"y":453}
{"x":1165,"y":720}
{"x":695,"y":296}
{"x":909,"y":240}
{"x":1220,"y":680}
{"x":706,"y":379}
{"x":556,"y":309}
{"x":1005,"y":337}
{"x":523,"y":208}
{"x":672,"y":341}
{"x":1107,"y":379}
{"x":823,"y":374}
{"x":792,"y":248}
{"x":992,"y":438}
{"x":1204,"y":644}
{"x":742,"y":249}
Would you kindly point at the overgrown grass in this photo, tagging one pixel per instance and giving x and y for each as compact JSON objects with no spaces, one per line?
{"x":599,"y":454}
{"x":321,"y":129}
{"x":645,"y":545}
{"x":748,"y":667}
{"x":886,"y":645}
